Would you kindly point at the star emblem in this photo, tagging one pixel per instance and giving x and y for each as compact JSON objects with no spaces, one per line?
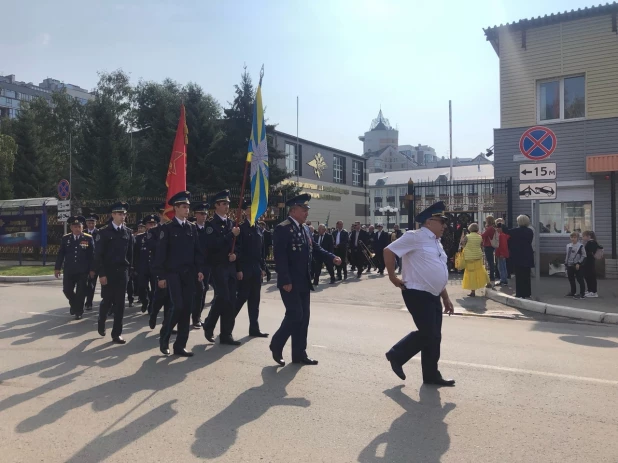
{"x":318,"y":164}
{"x":172,"y":166}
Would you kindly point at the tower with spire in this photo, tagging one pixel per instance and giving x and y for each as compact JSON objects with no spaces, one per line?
{"x":380,"y":135}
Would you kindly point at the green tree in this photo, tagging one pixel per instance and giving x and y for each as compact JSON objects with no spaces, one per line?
{"x":29,"y":173}
{"x":8,"y":149}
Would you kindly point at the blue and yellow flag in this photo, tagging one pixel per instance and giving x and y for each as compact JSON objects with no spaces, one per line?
{"x":258,"y":157}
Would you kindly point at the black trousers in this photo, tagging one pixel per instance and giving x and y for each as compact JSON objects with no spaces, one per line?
{"x":317,"y":269}
{"x":295,"y":323}
{"x":198,"y":301}
{"x":573,"y":274}
{"x":426,"y":311}
{"x":114,"y":296}
{"x":224,"y":280}
{"x":379,"y":260}
{"x":92,"y":285}
{"x":358,"y":260}
{"x":181,"y":288}
{"x":75,"y":287}
{"x":342,"y":254}
{"x":249,"y":291}
{"x":523,"y":285}
{"x":590,"y":275}
{"x":146,"y":284}
{"x":131,"y":290}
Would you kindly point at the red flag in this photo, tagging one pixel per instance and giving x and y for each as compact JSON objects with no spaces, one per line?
{"x":177,"y":171}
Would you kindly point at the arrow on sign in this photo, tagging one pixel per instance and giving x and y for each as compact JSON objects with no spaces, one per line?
{"x":526,"y":172}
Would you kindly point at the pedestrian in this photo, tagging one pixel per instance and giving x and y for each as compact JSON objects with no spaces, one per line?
{"x":222,"y":250}
{"x":201,"y":287}
{"x":371,"y":238}
{"x":268,"y":245}
{"x":325,"y":240}
{"x":594,"y":251}
{"x":92,"y":230}
{"x":575,"y":256}
{"x":423,"y":283}
{"x":522,"y":256}
{"x":502,"y":254}
{"x":490,"y":243}
{"x":113,"y":261}
{"x":341,"y":238}
{"x":76,"y":254}
{"x":380,"y":242}
{"x":143,"y":260}
{"x":359,"y":239}
{"x":293,"y":250}
{"x":178,"y":263}
{"x":475,"y":275}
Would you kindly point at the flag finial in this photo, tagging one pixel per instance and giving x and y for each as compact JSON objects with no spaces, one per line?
{"x":261,"y":75}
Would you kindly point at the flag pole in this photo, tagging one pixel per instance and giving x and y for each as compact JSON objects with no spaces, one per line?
{"x":244,"y":179}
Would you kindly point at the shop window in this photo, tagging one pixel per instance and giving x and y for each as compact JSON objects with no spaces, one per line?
{"x":564,"y":218}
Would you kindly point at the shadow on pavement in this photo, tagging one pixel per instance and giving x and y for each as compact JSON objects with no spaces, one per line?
{"x":476,"y":304}
{"x":215,"y":437}
{"x":420,"y":434}
{"x":571,"y":332}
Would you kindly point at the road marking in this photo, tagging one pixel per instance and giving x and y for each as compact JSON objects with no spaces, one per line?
{"x":530,"y":372}
{"x":321,"y":347}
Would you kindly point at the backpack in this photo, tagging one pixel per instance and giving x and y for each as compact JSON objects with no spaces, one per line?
{"x":495,"y":240}
{"x":598,"y":254}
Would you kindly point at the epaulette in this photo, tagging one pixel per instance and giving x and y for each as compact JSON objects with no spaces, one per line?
{"x":129,"y":230}
{"x":209,"y":219}
{"x":103,"y":227}
{"x":284,"y":223}
{"x":87,"y":234}
{"x":67,"y":234}
{"x":138,"y":234}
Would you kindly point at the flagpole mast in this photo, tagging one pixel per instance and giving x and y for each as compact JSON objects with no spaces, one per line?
{"x":244,"y":179}
{"x":297,"y":143}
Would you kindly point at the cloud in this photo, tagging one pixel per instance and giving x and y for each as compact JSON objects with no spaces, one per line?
{"x":45,"y":39}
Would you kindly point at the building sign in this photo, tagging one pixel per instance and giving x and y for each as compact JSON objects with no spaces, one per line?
{"x":21,"y":230}
{"x":319,"y":164}
{"x":537,"y":143}
{"x":538,"y":171}
{"x":537,"y":190}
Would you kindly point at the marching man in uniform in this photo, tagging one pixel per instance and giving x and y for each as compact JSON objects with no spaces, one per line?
{"x":423,"y":283}
{"x":92,"y":230}
{"x":293,"y":248}
{"x":76,"y":252}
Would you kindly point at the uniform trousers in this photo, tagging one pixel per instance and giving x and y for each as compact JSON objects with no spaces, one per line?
{"x":341,"y":252}
{"x":115,"y":290}
{"x":92,"y":285}
{"x":426,"y":311}
{"x":249,"y":291}
{"x":131,"y":284}
{"x":181,"y":288}
{"x":223,"y":278}
{"x":198,"y":301}
{"x":146,"y":282}
{"x":74,"y":287}
{"x":295,"y":323}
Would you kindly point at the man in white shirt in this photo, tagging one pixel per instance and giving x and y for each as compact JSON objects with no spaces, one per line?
{"x":423,"y":282}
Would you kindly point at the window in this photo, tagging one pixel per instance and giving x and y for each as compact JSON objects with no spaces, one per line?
{"x":291,"y":159}
{"x":562,"y":99}
{"x":564,"y":218}
{"x":403,"y":190}
{"x":458,"y":189}
{"x":338,"y":169}
{"x":378,"y":164}
{"x":378,"y":193}
{"x":390,"y":192}
{"x":443,"y":189}
{"x":357,"y":173}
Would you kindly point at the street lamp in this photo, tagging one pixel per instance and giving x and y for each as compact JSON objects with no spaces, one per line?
{"x":388,"y":210}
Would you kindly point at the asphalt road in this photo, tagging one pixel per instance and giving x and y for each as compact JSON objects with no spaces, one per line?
{"x":527,"y":390}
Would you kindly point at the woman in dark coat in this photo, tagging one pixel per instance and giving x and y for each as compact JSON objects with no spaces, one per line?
{"x":522,"y":256}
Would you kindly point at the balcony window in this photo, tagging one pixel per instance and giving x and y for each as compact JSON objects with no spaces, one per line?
{"x":562,"y":99}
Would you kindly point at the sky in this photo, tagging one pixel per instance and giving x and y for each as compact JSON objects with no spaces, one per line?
{"x":344,"y":60}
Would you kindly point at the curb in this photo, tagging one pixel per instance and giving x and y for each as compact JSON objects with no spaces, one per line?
{"x":26,"y":279}
{"x":551,"y":309}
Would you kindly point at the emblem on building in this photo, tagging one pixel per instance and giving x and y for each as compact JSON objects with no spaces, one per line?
{"x":318,"y":164}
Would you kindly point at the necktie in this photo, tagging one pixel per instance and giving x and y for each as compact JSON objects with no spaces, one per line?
{"x":356,"y":240}
{"x":321,"y":236}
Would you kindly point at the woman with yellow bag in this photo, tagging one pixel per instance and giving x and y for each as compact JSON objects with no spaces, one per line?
{"x":475,"y":275}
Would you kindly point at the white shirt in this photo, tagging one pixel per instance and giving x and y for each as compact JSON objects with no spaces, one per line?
{"x":320,"y":240}
{"x":222,"y":218}
{"x":181,"y":222}
{"x":117,"y":227}
{"x":423,"y":261}
{"x":338,"y":239}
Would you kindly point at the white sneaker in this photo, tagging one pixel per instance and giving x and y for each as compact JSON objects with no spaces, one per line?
{"x":587,"y":293}
{"x":592,"y":295}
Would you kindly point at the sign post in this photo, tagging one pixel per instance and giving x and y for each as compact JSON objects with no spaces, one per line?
{"x":64,"y":192}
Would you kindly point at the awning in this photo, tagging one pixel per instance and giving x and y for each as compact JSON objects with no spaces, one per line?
{"x":602,"y":163}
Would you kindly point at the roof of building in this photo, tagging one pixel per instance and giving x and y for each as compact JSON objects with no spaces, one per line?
{"x":302,"y":140}
{"x":475,"y":172}
{"x":380,"y":123}
{"x":491,"y":33}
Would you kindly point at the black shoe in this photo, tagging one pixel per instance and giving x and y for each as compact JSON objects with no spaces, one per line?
{"x":268,"y":277}
{"x":197,"y":325}
{"x":345,"y":277}
{"x":441,"y":382}
{"x":305,"y":361}
{"x":229,"y":340}
{"x":183,"y":353}
{"x":101,"y":329}
{"x":210,"y":337}
{"x":88,"y":307}
{"x":397,"y":368}
{"x":358,"y":275}
{"x":131,"y":304}
{"x":78,"y":316}
{"x":315,"y":283}
{"x":119,"y":340}
{"x":278,"y":357}
{"x":144,"y":307}
{"x":164,"y":350}
{"x":333,"y":281}
{"x":258,"y":334}
{"x":71,"y":311}
{"x":339,"y":278}
{"x":152,"y":322}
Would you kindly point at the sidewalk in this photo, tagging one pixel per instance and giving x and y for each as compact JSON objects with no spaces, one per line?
{"x":552,"y":301}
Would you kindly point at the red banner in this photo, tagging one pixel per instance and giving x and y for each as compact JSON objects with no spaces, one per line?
{"x":177,"y":171}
